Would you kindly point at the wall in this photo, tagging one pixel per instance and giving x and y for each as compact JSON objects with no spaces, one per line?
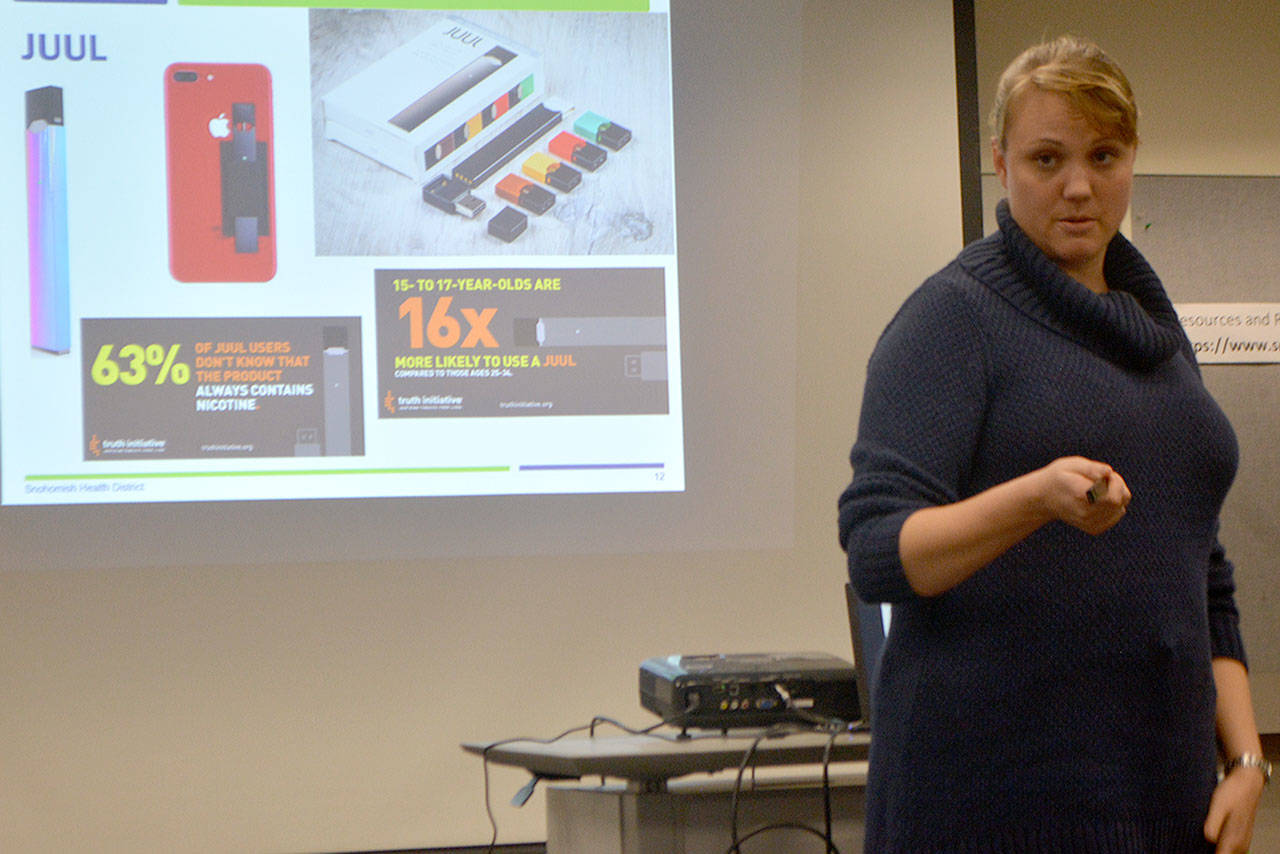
{"x":1204,"y":74}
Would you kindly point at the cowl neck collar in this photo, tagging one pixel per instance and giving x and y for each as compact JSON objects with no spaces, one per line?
{"x":1133,"y":324}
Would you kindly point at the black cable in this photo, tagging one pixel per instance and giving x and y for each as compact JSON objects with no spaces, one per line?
{"x":649,"y":730}
{"x":484,"y":756}
{"x":488,"y":809}
{"x":834,"y":727}
{"x":826,"y":791}
{"x":737,"y":788}
{"x":590,"y":728}
{"x":782,"y":825}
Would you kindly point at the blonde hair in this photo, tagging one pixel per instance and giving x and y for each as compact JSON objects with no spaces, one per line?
{"x":1079,"y":69}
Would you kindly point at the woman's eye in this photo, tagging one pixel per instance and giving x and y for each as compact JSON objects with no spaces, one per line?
{"x":1045,"y":159}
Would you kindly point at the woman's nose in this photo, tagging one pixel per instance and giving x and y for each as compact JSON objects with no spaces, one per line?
{"x":1077,"y":183}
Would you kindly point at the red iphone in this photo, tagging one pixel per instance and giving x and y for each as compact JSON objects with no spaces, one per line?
{"x":221,"y":195}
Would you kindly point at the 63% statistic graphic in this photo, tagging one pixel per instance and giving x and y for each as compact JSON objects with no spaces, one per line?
{"x":134,"y":362}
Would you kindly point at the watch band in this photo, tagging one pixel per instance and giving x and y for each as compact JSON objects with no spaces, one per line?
{"x":1250,"y":760}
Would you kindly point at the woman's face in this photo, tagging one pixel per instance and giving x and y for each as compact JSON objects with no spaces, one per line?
{"x":1068,"y":182}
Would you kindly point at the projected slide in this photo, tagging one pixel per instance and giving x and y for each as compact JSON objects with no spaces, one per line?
{"x":277,"y":252}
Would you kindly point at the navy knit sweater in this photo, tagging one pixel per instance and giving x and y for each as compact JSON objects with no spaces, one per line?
{"x":1062,"y":698}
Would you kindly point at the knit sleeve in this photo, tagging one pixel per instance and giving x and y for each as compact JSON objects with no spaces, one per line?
{"x":922,"y":409}
{"x":1224,"y":620}
{"x":1225,"y":640}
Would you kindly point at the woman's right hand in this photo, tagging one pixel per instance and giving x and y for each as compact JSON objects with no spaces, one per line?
{"x":1084,"y":493}
{"x":943,"y":545}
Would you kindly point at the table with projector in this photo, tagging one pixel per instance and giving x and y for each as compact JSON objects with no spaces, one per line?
{"x":752,"y":752}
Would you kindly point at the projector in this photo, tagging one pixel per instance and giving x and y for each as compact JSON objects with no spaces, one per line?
{"x":749,"y":689}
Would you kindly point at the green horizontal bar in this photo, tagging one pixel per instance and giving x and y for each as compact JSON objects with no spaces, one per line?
{"x":157,"y":475}
{"x":461,"y":5}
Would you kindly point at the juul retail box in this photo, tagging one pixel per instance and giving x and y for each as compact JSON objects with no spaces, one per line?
{"x":426,"y":103}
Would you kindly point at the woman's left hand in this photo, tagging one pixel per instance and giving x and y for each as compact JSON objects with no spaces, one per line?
{"x":1232,"y":810}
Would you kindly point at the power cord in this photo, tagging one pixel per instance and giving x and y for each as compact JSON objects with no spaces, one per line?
{"x":484,"y":755}
{"x":835,"y":728}
{"x":526,"y":792}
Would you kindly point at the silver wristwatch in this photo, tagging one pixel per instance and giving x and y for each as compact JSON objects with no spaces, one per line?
{"x":1250,"y":760}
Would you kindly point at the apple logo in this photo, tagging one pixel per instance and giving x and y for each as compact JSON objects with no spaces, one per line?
{"x":220,"y":126}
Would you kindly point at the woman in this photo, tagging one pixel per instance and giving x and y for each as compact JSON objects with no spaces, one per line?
{"x":1037,"y":480}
